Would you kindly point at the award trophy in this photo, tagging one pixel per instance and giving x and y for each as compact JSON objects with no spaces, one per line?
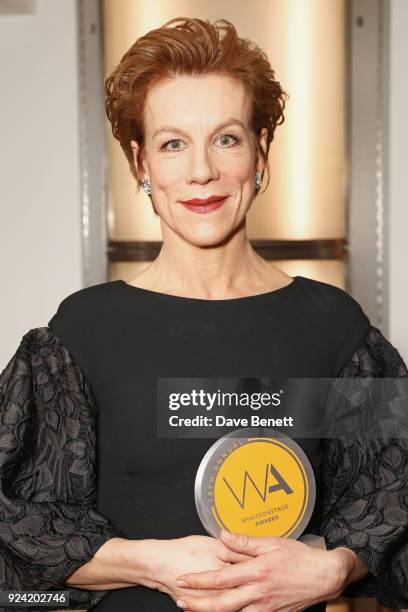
{"x":258,"y":482}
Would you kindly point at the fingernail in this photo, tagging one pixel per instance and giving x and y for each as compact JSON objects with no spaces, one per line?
{"x":181,"y":583}
{"x":181,"y":604}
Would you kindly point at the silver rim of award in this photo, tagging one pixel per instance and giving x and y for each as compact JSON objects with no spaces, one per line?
{"x":207,"y":468}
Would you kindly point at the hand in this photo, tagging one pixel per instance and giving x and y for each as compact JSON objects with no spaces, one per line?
{"x":170,"y":558}
{"x":283,"y":575}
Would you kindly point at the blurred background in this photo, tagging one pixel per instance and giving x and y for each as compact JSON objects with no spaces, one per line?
{"x":336,"y":207}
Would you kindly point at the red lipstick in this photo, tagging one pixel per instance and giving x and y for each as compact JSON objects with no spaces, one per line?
{"x":203,"y":205}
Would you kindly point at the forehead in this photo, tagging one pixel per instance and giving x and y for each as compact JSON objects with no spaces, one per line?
{"x":191,"y":101}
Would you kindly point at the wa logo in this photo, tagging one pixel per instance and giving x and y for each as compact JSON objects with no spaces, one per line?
{"x":280,"y":485}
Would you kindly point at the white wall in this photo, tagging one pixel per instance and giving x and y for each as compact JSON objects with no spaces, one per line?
{"x":40,"y":240}
{"x":398,"y":167}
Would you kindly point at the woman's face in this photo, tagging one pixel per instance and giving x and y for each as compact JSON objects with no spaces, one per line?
{"x":198,"y":143}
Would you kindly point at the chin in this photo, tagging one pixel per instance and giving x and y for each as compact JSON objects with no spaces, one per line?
{"x":207,"y":241}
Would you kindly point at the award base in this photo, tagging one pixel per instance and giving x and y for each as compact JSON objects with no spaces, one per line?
{"x":312,"y":540}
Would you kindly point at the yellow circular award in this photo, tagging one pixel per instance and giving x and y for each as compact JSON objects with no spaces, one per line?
{"x":255,"y":481}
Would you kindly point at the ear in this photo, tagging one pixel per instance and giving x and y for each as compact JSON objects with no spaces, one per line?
{"x":138,"y":160}
{"x":261,"y":144}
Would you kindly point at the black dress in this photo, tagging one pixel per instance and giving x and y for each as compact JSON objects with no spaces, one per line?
{"x":80,"y":461}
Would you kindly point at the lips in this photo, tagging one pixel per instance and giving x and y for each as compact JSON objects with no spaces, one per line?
{"x":204,"y":206}
{"x":213,"y":198}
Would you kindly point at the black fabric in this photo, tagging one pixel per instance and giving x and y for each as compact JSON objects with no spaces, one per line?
{"x":366,"y":484}
{"x":64,"y":472}
{"x":48,"y":522}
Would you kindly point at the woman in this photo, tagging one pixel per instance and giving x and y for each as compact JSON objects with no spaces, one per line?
{"x":194,"y":108}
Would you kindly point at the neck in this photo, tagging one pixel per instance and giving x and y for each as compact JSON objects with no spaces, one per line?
{"x":229,"y":269}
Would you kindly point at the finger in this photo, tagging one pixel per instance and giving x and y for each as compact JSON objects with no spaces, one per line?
{"x":231,"y":556}
{"x":227,"y":601}
{"x":224,"y":578}
{"x":249,"y":545}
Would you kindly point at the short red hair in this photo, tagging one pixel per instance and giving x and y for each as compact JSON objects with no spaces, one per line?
{"x":192,"y":47}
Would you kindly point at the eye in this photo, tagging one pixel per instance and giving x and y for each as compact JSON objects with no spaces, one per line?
{"x":236,"y":140}
{"x":165,"y":146}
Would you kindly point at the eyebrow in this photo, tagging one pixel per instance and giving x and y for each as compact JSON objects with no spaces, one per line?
{"x":228,"y":122}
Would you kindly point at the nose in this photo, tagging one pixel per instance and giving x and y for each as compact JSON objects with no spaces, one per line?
{"x":202,"y":166}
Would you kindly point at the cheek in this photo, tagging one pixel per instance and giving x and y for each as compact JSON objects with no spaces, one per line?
{"x":167,"y":176}
{"x":238,"y":169}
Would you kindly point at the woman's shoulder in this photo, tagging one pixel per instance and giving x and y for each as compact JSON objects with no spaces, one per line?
{"x":335,"y":316}
{"x":85,"y":303}
{"x":88,"y":295}
{"x":331,"y":299}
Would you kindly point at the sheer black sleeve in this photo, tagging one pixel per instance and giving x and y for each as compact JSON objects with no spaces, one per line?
{"x":366,"y":489}
{"x":49,"y":525}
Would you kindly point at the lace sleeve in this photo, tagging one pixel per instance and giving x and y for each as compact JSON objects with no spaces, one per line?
{"x":366,"y":490}
{"x":49,"y":525}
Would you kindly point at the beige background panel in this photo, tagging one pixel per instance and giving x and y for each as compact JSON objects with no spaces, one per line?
{"x":305,"y":44}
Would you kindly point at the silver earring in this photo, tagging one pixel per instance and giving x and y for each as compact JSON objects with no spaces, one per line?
{"x":147,"y":188}
{"x":258,"y":180}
